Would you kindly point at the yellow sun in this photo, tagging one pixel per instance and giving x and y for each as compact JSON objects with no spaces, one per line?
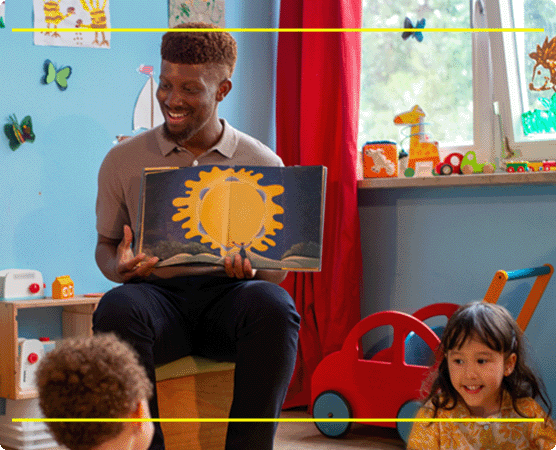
{"x":230,"y":210}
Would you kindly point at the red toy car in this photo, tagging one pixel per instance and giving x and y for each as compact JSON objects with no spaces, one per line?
{"x":344,"y":385}
{"x":449,"y":165}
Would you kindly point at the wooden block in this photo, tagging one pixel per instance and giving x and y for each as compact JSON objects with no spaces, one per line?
{"x":202,"y":395}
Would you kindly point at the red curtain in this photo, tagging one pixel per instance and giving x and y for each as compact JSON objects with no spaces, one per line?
{"x":317,"y":109}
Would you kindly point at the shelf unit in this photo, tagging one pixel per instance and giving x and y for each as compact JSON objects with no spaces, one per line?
{"x":76,"y":321}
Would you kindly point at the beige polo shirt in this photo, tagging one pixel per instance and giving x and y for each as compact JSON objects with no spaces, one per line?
{"x":119,"y":178}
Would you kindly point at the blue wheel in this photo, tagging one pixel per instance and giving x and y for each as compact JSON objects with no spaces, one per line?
{"x":332,"y":405}
{"x":407,"y":411}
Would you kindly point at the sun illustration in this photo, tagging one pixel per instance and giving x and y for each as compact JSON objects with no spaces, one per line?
{"x":230,"y":210}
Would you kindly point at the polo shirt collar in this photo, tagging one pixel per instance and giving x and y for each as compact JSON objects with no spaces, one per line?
{"x":226,"y":145}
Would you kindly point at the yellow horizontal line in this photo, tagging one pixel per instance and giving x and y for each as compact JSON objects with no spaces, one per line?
{"x":214,"y":419}
{"x":282,"y":30}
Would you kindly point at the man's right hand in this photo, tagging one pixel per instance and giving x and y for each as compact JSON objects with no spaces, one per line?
{"x":117,"y":261}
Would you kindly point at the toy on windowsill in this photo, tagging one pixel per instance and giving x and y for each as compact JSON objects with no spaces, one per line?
{"x":380,"y":159}
{"x":470,"y":165}
{"x":449,"y":165}
{"x":62,"y":287}
{"x":421,"y":149}
{"x":547,"y":166}
{"x":517,"y":166}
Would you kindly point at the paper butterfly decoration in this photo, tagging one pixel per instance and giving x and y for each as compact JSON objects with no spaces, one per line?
{"x":19,"y":133}
{"x":60,"y":76}
{"x":416,"y":34}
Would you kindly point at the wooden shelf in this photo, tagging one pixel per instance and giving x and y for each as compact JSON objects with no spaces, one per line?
{"x":76,"y":321}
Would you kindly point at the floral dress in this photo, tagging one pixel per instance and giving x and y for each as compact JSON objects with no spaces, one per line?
{"x":484,"y":435}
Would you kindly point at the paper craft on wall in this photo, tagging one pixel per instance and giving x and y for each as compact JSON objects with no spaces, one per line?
{"x":59,"y":76}
{"x":147,"y":112}
{"x":89,"y":19}
{"x":209,"y":11}
{"x":2,"y":13}
{"x":18,"y":133}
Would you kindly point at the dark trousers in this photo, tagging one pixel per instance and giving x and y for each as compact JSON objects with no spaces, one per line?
{"x":253,"y":323}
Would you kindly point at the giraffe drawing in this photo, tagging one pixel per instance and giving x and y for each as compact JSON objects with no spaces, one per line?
{"x":421,"y":149}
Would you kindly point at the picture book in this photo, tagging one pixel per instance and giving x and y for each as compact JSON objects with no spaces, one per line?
{"x":273,"y":216}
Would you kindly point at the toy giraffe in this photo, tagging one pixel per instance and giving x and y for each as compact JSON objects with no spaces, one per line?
{"x":421,"y":149}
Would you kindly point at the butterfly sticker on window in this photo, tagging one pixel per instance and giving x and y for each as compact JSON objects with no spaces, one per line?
{"x":59,"y":76}
{"x":407,"y":24}
{"x":18,"y":133}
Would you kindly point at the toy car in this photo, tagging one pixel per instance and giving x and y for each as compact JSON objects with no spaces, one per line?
{"x":449,"y":165}
{"x":470,"y":165}
{"x":345,"y":385}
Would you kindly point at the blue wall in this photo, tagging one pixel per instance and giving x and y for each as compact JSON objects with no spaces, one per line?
{"x":423,"y":246}
{"x":48,"y":188}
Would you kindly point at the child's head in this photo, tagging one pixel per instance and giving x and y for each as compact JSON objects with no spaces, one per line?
{"x":483,"y":354}
{"x":95,"y":377}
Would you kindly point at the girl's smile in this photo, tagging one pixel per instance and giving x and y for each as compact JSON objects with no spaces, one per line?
{"x":476,"y":372}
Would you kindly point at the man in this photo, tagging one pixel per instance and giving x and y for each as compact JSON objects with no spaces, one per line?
{"x":232,"y":313}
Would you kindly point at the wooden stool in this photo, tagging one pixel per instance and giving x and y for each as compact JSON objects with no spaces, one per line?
{"x":193,"y":387}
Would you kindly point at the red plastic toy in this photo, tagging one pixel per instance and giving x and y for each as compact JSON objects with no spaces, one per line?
{"x":449,"y":165}
{"x":344,"y":385}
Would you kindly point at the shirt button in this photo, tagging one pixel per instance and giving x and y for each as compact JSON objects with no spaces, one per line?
{"x":486,"y":427}
{"x":195,"y":163}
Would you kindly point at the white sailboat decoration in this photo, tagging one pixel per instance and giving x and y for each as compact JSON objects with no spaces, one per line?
{"x":147,"y":112}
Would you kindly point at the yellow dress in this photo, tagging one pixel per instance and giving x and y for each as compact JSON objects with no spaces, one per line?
{"x":484,"y":435}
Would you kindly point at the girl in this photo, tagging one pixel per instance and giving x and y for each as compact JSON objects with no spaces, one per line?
{"x":483,"y":374}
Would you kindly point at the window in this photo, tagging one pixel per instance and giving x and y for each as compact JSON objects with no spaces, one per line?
{"x":473,"y":87}
{"x":524,"y":86}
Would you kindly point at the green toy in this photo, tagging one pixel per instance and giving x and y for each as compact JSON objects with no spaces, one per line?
{"x":470,"y":165}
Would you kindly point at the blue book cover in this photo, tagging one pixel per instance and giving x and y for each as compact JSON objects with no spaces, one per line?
{"x":198,"y":215}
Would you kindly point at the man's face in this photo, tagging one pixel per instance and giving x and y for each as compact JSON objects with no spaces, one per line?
{"x":188,"y":96}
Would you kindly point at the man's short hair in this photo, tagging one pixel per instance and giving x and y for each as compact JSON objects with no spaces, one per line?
{"x":93,"y":377}
{"x":199,"y":47}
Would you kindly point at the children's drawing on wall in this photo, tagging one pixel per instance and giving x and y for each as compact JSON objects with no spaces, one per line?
{"x":209,"y":11}
{"x":87,"y":19}
{"x":543,"y":79}
{"x":2,"y":13}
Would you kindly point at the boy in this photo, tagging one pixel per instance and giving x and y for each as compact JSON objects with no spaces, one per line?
{"x":96,"y":377}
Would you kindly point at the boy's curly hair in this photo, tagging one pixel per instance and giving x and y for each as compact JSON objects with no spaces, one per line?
{"x":93,"y":377}
{"x":200,"y":47}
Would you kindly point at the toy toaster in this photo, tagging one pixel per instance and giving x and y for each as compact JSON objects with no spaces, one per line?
{"x":21,"y":284}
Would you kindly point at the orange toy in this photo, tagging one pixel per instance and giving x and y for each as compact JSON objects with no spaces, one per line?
{"x":421,"y":149}
{"x":543,"y":274}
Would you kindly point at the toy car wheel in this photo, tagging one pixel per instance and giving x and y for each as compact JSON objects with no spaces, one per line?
{"x":407,"y":411}
{"x":332,"y":405}
{"x":409,"y":172}
{"x":446,"y":169}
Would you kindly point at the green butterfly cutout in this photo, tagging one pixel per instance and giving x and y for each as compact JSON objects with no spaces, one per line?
{"x":60,"y":76}
{"x":19,"y":133}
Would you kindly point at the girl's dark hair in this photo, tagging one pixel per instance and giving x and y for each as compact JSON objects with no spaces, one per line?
{"x":492,"y":325}
{"x":200,"y":47}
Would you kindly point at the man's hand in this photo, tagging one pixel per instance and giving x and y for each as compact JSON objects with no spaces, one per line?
{"x":117,"y":261}
{"x":235,"y":267}
{"x":128,"y":265}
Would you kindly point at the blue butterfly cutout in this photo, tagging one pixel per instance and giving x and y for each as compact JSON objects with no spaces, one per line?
{"x":416,"y":34}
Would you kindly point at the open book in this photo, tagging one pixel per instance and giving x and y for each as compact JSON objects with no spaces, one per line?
{"x":199,"y":215}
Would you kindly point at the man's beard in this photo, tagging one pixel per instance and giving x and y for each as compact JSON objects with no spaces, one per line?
{"x":178,"y":138}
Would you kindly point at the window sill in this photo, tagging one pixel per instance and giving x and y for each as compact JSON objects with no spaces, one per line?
{"x":494,"y":179}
